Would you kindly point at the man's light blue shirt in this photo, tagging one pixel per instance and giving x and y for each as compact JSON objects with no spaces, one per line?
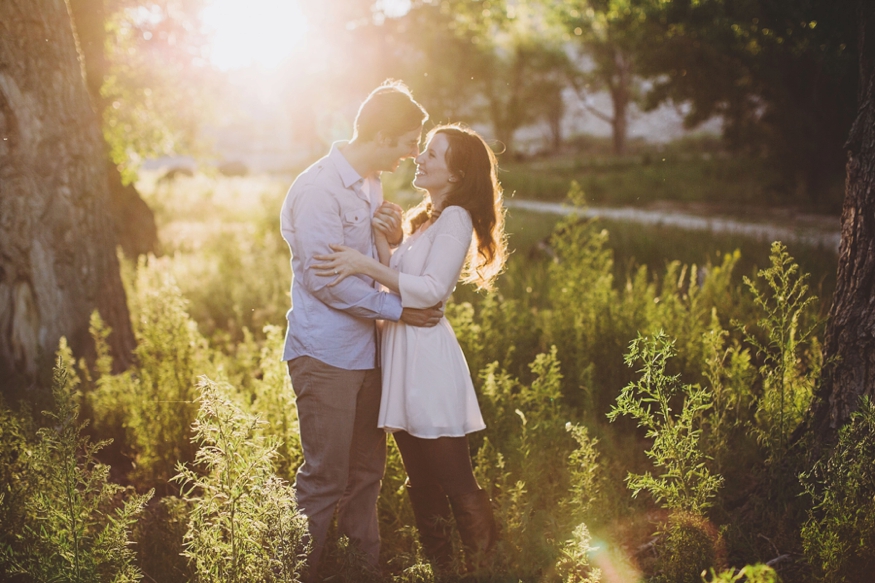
{"x":327,"y":205}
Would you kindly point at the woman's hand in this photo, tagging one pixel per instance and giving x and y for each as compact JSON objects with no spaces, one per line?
{"x":345,"y":261}
{"x":387,"y":222}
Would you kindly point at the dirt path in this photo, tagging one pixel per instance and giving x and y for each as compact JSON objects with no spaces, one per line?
{"x":817,"y":231}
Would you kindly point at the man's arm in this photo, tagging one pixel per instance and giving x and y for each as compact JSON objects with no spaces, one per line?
{"x":312,"y":222}
{"x":423,"y":318}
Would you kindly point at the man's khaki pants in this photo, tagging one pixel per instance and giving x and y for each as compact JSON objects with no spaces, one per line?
{"x":344,"y":453}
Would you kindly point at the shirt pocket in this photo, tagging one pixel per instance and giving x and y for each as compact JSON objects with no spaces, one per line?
{"x":354,"y":217}
{"x":356,"y":228}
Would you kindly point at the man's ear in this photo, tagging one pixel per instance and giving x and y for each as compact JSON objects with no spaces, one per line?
{"x":381,"y":138}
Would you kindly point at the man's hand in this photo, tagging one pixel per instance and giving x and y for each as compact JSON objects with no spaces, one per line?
{"x":387,"y":220}
{"x":423,"y":318}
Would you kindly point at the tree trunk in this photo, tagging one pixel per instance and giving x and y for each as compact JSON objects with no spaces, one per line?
{"x":849,"y":346}
{"x":621,"y":92}
{"x":57,"y":248}
{"x":133,"y":220}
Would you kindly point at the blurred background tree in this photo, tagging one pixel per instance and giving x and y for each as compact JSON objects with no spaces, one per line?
{"x":606,"y":37}
{"x":782,"y":74}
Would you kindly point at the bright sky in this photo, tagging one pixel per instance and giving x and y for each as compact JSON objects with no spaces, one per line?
{"x":254,"y":32}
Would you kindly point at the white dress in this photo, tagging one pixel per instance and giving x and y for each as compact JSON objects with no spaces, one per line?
{"x":427,"y":388}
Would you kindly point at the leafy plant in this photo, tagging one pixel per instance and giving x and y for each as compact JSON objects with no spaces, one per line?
{"x":244,"y":524}
{"x":758,"y":573}
{"x":791,"y":354}
{"x":839,"y":534}
{"x":686,"y":483}
{"x":76,"y":529}
{"x":170,"y":353}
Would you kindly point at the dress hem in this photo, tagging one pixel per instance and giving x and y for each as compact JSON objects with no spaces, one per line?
{"x":388,"y":429}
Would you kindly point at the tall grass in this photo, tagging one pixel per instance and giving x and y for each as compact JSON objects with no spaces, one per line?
{"x":548,"y":353}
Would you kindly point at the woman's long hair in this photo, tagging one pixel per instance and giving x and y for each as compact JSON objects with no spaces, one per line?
{"x":478,"y":191}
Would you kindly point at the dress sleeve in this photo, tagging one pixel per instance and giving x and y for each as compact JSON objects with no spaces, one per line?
{"x":452,"y":239}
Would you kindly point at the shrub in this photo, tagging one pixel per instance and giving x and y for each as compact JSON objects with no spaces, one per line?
{"x":170,"y":354}
{"x":839,"y":535}
{"x":244,"y":524}
{"x":686,"y":483}
{"x":274,"y":402}
{"x":791,"y":354}
{"x":690,"y":545}
{"x":16,"y":435}
{"x":159,"y":537}
{"x":76,"y":530}
{"x":528,"y":430}
{"x":758,"y":573}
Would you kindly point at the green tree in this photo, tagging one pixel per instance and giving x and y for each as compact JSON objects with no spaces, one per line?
{"x":606,"y":34}
{"x":519,"y":67}
{"x":781,"y":73}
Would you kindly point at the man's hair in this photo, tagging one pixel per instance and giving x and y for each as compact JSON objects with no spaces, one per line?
{"x":390,"y":108}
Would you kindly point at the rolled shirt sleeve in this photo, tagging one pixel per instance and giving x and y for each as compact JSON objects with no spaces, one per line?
{"x":318,"y":223}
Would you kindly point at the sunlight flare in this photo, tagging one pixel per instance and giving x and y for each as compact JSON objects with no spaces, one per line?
{"x":254,"y":32}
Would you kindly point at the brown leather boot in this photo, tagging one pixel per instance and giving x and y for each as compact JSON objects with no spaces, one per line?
{"x":476,"y":524}
{"x":432,"y":513}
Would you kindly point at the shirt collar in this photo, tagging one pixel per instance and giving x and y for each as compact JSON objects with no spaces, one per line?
{"x":348,"y":174}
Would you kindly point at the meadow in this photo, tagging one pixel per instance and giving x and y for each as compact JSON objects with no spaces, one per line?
{"x":641,"y":388}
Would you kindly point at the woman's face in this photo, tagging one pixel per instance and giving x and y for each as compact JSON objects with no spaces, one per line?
{"x":432,"y":173}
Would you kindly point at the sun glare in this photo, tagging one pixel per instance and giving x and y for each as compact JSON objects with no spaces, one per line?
{"x":254,"y":32}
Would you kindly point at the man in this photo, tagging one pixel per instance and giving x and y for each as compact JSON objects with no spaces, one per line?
{"x":331,"y":345}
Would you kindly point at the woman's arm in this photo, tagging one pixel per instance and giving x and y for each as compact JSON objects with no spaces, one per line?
{"x":346,"y":261}
{"x":440,"y":272}
{"x":384,"y":251}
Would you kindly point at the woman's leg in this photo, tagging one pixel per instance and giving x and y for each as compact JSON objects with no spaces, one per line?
{"x":446,"y":462}
{"x":431,"y":509}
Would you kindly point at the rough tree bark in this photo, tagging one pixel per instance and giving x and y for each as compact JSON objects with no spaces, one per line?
{"x":849,"y":346}
{"x":57,"y":247}
{"x":134,"y":221}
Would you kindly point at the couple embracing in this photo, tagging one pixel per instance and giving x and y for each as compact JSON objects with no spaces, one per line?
{"x":368,"y":349}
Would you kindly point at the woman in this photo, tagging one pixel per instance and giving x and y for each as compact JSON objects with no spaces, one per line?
{"x":428,"y":401}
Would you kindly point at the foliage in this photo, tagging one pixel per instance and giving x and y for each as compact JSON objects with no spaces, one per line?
{"x":573,"y":565}
{"x":16,"y":435}
{"x":607,"y":33}
{"x":839,"y":534}
{"x":686,"y":484}
{"x":691,"y":545}
{"x":758,"y":573}
{"x":171,"y":353}
{"x":787,"y":77}
{"x":78,"y":522}
{"x":244,"y":524}
{"x":156,"y":82}
{"x":791,"y":354}
{"x":159,"y":536}
{"x":274,"y":403}
{"x":520,"y":69}
{"x":528,"y":430}
{"x":729,"y":374}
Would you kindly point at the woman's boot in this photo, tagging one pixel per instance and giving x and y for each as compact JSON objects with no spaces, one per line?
{"x":432,"y":513}
{"x":476,"y":524}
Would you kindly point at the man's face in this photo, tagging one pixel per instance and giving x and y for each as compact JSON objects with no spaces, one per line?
{"x":405,"y":146}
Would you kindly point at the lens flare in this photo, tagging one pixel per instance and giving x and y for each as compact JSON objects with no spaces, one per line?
{"x":254,"y":32}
